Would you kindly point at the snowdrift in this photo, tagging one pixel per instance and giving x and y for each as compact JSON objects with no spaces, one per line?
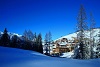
{"x":11,"y":57}
{"x":67,"y":55}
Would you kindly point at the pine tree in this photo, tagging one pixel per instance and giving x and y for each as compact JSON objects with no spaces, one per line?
{"x":92,"y":26}
{"x":5,"y":39}
{"x":81,"y":26}
{"x":14,"y":41}
{"x":0,"y":39}
{"x":97,"y":52}
{"x":28,"y":45}
{"x":40,"y":48}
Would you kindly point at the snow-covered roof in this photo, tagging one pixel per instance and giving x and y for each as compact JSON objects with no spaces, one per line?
{"x":62,"y":43}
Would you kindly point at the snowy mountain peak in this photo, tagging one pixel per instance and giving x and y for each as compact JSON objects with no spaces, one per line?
{"x":17,"y":34}
{"x":12,"y":34}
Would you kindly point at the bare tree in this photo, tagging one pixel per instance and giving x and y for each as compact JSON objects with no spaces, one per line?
{"x":25,"y":35}
{"x":48,"y":40}
{"x":28,"y":35}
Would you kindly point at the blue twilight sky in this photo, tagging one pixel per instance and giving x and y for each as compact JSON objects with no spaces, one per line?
{"x":41,"y":16}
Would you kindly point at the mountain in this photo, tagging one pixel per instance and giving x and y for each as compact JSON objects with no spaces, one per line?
{"x":11,"y":34}
{"x":95,"y":33}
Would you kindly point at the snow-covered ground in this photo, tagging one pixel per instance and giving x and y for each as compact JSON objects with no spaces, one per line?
{"x":11,"y":57}
{"x":67,"y":55}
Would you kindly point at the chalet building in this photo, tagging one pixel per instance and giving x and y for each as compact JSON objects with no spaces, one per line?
{"x":63,"y":45}
{"x":60,"y":46}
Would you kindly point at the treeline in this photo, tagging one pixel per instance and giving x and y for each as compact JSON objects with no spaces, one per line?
{"x":27,"y":41}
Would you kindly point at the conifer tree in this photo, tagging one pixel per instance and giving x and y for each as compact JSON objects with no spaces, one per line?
{"x":81,"y":26}
{"x":5,"y":39}
{"x":92,"y":26}
{"x":40,"y":48}
{"x":14,"y":41}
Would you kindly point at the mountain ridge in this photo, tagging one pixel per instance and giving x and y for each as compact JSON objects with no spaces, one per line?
{"x":95,"y":33}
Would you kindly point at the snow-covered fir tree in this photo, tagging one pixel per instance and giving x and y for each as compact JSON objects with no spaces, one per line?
{"x":82,"y":50}
{"x":96,"y":47}
{"x":91,"y":44}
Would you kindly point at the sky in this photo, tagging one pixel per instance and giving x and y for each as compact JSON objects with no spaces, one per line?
{"x":42,"y":16}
